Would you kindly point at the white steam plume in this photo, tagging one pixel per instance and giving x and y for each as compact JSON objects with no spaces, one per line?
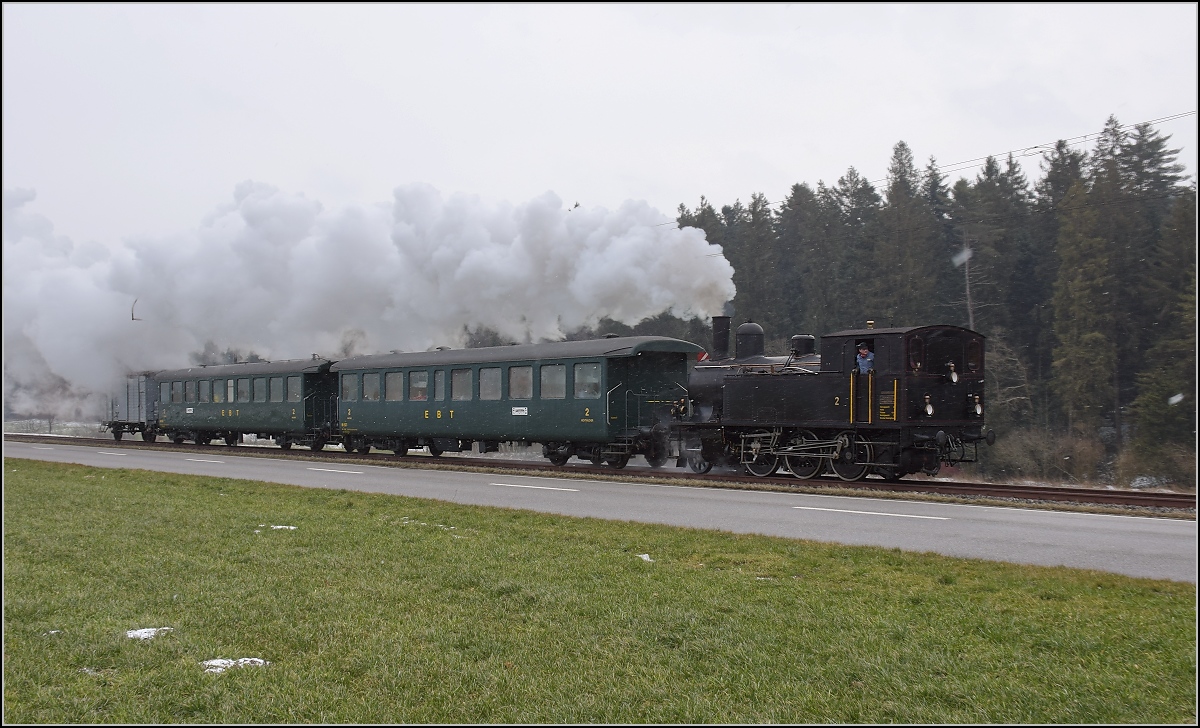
{"x":276,"y":274}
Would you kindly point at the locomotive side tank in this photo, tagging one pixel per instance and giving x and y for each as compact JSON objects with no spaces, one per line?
{"x":920,"y":404}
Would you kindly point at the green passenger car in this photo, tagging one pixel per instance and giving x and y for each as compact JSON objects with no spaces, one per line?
{"x":603,"y":400}
{"x":291,"y":401}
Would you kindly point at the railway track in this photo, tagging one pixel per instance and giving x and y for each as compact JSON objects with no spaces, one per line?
{"x":1174,"y":501}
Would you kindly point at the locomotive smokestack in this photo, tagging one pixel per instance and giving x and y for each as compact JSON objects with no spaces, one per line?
{"x":720,"y":337}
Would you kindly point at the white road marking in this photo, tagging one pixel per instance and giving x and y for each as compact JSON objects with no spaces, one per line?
{"x":871,"y":513}
{"x":118,"y":454}
{"x":35,"y":447}
{"x":539,"y":487}
{"x":330,"y":470}
{"x":197,"y":460}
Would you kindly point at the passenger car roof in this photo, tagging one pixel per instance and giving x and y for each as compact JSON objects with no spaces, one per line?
{"x":623,"y":346}
{"x":250,"y":368}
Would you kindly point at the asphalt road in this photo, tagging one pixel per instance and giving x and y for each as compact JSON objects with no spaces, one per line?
{"x":1156,"y":548}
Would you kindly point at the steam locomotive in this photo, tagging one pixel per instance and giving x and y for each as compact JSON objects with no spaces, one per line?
{"x":606,"y":400}
{"x":918,"y":406}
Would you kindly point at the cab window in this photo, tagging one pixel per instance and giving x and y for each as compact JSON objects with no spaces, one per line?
{"x":974,"y":356}
{"x":916,"y":353}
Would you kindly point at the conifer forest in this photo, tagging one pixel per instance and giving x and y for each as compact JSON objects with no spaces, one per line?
{"x":1083,"y":279}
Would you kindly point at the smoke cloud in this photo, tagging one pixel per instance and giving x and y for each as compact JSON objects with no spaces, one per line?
{"x":276,"y":274}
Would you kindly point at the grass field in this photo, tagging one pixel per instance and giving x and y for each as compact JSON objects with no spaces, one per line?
{"x":385,"y":609}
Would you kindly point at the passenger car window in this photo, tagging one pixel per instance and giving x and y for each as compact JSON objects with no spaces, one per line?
{"x":189,"y":391}
{"x":218,"y":390}
{"x":276,"y":389}
{"x":205,"y":390}
{"x":554,"y":381}
{"x":293,"y":389}
{"x":520,"y":383}
{"x":489,"y":383}
{"x":393,"y":386}
{"x":350,"y":387}
{"x":418,"y":386}
{"x":176,"y":392}
{"x":439,"y":386}
{"x":243,"y":390}
{"x":260,"y":389}
{"x":587,"y":381}
{"x":460,"y":385}
{"x":371,"y":387}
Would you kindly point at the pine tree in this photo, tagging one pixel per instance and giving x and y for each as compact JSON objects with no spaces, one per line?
{"x":798,"y":231}
{"x":904,"y":286}
{"x":858,"y":206}
{"x":1085,"y":359}
{"x":1166,"y":404}
{"x":1062,"y":168}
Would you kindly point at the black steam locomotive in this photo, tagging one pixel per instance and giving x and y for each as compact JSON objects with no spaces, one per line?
{"x":918,"y":404}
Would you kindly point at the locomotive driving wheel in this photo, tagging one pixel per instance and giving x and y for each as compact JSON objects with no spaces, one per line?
{"x":760,"y":465}
{"x":807,"y":465}
{"x":763,"y":466}
{"x":853,"y":458}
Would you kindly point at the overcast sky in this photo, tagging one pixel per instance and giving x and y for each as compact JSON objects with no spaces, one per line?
{"x":140,"y":120}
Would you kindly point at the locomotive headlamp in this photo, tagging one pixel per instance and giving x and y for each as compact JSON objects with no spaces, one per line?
{"x":928,"y":407}
{"x":978,"y":407}
{"x":952,"y":375}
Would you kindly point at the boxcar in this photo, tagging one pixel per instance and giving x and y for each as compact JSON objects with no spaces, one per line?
{"x":604,"y":400}
{"x":133,"y":409}
{"x":291,"y":401}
